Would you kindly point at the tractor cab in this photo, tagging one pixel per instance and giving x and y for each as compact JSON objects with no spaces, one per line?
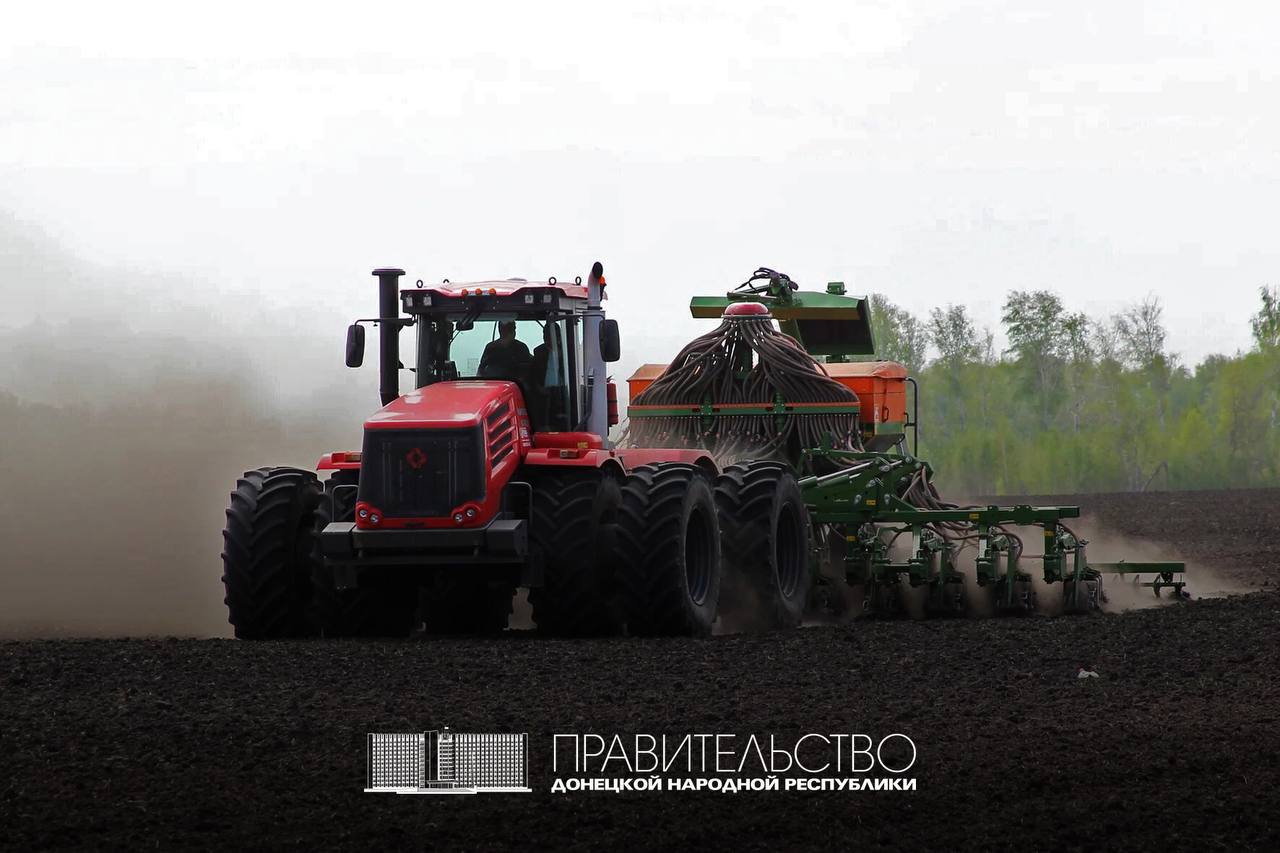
{"x":515,"y":330}
{"x":529,"y":334}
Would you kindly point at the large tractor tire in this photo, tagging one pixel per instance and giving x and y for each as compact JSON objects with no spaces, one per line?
{"x":267,"y":551}
{"x":669,"y":551}
{"x":574,"y":517}
{"x":765,"y":537}
{"x":385,"y":604}
{"x":458,"y":603}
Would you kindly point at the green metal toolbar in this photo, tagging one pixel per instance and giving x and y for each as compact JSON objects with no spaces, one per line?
{"x":860,"y":500}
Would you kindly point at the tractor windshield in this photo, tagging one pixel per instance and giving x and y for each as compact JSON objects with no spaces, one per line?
{"x":530,"y":352}
{"x":496,"y":349}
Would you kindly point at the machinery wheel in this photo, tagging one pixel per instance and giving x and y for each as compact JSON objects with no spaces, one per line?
{"x":574,"y":517}
{"x":383,"y":605}
{"x":765,"y":538}
{"x":457,"y":603}
{"x":267,"y":551}
{"x":669,"y":549}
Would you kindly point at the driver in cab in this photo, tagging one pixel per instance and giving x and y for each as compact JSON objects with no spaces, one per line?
{"x":505,"y":357}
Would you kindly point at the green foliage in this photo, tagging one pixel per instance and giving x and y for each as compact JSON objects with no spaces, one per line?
{"x":954,"y":335}
{"x":1266,"y":323}
{"x":1140,"y":333}
{"x":899,"y":336}
{"x":1081,"y":404}
{"x":1043,"y":341}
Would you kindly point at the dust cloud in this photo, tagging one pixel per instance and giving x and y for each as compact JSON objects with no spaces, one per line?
{"x":123,"y":427}
{"x":1105,"y":545}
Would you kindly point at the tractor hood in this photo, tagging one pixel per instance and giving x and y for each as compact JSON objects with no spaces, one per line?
{"x":445,"y":405}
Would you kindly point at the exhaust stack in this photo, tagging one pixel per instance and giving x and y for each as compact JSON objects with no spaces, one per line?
{"x":596,"y":420}
{"x":389,"y":333}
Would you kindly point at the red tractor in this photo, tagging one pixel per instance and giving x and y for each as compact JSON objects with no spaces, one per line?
{"x":495,"y":472}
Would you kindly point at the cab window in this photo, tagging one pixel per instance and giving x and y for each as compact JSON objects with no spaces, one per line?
{"x":532,"y":353}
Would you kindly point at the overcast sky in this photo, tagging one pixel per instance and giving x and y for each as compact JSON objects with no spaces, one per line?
{"x":274,"y":155}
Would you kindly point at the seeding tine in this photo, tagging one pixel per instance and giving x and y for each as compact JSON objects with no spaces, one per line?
{"x":947,"y":598}
{"x":1081,"y":596}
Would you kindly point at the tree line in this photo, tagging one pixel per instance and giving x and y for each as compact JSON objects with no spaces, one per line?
{"x":1077,"y":403}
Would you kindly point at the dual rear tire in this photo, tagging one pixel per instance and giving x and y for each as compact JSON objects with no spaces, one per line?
{"x":669,"y":551}
{"x":574,"y":520}
{"x":277,"y":585}
{"x":691,"y":546}
{"x":766,"y":534}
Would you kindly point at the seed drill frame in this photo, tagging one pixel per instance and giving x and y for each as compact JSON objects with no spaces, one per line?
{"x":857,"y":498}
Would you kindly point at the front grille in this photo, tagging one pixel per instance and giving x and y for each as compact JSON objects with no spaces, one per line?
{"x":421,"y":473}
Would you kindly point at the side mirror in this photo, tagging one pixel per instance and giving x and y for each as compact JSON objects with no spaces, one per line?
{"x":610,"y":345}
{"x":355,"y":345}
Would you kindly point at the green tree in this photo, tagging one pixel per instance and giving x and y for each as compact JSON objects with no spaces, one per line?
{"x":899,"y":334}
{"x":1266,"y":334}
{"x":1076,"y":344}
{"x":1141,"y":334}
{"x":1041,"y":336}
{"x":954,"y":336}
{"x":1266,"y":323}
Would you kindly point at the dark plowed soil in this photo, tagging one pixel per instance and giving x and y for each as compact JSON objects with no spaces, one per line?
{"x":138,"y":744}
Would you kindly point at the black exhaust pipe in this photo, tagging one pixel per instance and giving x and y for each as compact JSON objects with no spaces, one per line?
{"x":389,"y":333}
